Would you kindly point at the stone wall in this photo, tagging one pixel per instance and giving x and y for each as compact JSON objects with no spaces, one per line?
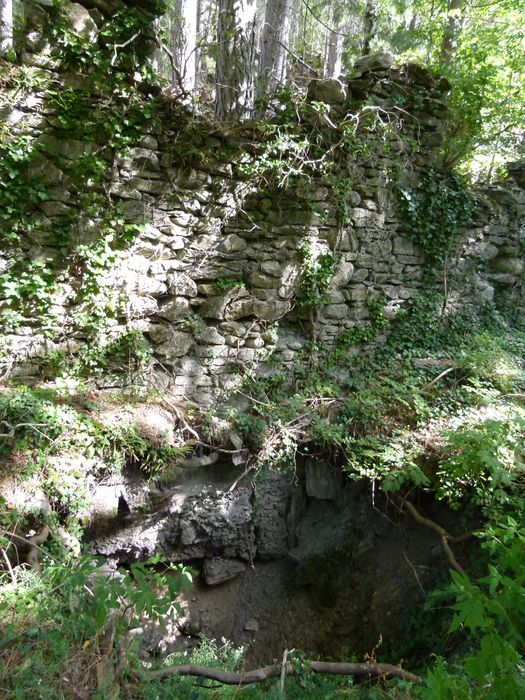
{"x":211,"y":280}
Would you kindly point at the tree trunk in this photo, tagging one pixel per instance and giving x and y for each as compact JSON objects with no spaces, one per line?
{"x":272,"y":57}
{"x":184,"y":43}
{"x":334,"y":44}
{"x":235,"y":53}
{"x":6,"y":27}
{"x":206,"y":11}
{"x":369,"y":25}
{"x":452,"y":31}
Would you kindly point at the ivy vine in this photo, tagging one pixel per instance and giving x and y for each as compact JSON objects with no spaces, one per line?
{"x":435,"y":211}
{"x":107,"y":126}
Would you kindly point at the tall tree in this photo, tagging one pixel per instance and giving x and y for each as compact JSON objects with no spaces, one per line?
{"x":6,"y":26}
{"x":452,"y":30}
{"x":272,"y":56}
{"x":235,"y":56}
{"x":184,"y":33}
{"x":334,"y":42}
{"x":369,"y":24}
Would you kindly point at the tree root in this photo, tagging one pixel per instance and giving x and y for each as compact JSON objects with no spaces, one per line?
{"x":359,"y":670}
{"x":444,"y":536}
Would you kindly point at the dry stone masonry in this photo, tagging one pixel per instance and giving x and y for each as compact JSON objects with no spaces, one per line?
{"x":211,"y":279}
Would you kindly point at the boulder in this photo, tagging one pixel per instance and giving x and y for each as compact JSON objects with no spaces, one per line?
{"x":516,"y":171}
{"x":185,"y":525}
{"x":328,"y":90}
{"x":174,"y":309}
{"x":512,"y":266}
{"x":374,"y":62}
{"x":79,"y":19}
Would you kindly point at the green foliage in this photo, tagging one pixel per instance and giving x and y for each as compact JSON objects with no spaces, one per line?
{"x":485,"y":104}
{"x":316,"y":273}
{"x":377,"y":412}
{"x":435,"y":212}
{"x":483,"y":459}
{"x":105,"y":127}
{"x":226,"y":284}
{"x":52,"y":623}
{"x":491,"y":612}
{"x":350,"y":337}
{"x":44,"y":424}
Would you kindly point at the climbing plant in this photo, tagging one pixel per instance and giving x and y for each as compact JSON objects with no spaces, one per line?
{"x":435,"y":211}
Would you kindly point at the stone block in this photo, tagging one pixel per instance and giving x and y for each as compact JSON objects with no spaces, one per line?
{"x":54,"y":209}
{"x":271,"y":310}
{"x":328,"y":90}
{"x":343,"y":274}
{"x":133,"y":211}
{"x":141,"y":306}
{"x":402,"y":246}
{"x":177,"y":344}
{"x":232,"y":244}
{"x":378,"y":61}
{"x":262,"y":281}
{"x":181,"y":284}
{"x":174,"y":309}
{"x":145,"y":284}
{"x":210,"y":336}
{"x":335,"y":311}
{"x":512,"y":266}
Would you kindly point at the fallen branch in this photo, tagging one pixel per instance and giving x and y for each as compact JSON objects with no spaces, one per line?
{"x":440,"y":376}
{"x":359,"y":670}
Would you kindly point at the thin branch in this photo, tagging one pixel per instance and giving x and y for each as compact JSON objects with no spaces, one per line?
{"x":8,"y":565}
{"x":13,"y":428}
{"x":326,"y":26}
{"x":440,"y":376}
{"x":299,"y":59}
{"x":176,"y":71}
{"x":123,"y":45}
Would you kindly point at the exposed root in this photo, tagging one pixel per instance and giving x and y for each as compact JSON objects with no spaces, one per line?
{"x":359,"y":670}
{"x":443,"y":535}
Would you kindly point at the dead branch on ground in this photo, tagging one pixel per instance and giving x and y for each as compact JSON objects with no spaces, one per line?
{"x":359,"y":670}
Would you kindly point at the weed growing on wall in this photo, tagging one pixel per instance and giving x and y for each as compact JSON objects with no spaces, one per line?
{"x":316,"y":273}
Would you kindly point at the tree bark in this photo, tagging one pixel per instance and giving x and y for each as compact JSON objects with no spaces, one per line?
{"x":235,"y":54}
{"x":452,"y":31}
{"x":206,"y":14}
{"x":272,"y":57}
{"x":369,"y":25}
{"x":184,"y":43}
{"x":334,"y":44}
{"x":6,"y":26}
